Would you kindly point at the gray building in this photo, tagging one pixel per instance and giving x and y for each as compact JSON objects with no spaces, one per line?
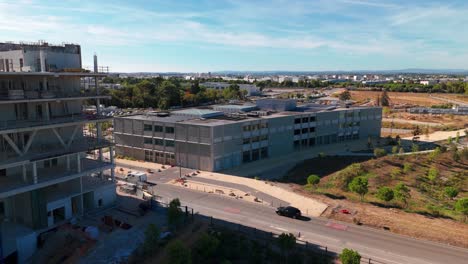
{"x":213,"y":140}
{"x":47,"y":172}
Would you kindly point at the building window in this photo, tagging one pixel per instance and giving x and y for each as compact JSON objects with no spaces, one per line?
{"x":304,"y":142}
{"x":159,"y":142}
{"x":147,"y":127}
{"x":305,"y":130}
{"x":169,"y":143}
{"x":3,"y":173}
{"x":21,"y":62}
{"x":148,"y":155}
{"x":170,"y":130}
{"x":297,"y":131}
{"x":264,"y":152}
{"x":264,"y":125}
{"x":305,"y":120}
{"x":255,"y":154}
{"x":297,"y":143}
{"x":312,"y":129}
{"x":246,"y":141}
{"x":2,"y":208}
{"x":246,"y":128}
{"x":255,"y":139}
{"x":297,"y":121}
{"x":311,"y":141}
{"x":263,"y":137}
{"x":312,"y":119}
{"x":246,"y":156}
{"x":158,"y":129}
{"x":148,"y":140}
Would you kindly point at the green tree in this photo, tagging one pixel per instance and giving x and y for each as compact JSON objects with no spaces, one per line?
{"x":344,"y":96}
{"x":174,"y":213}
{"x":359,"y":185}
{"x":206,"y":246}
{"x":178,"y":253}
{"x":286,"y":242}
{"x":402,"y":193}
{"x":378,"y":152}
{"x":385,"y":194}
{"x":461,"y":206}
{"x":349,"y":256}
{"x":151,"y":239}
{"x":433,"y":174}
{"x":451,"y":192}
{"x":313,"y":179}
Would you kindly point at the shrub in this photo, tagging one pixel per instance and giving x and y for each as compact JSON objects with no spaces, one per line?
{"x":346,"y":175}
{"x":313,"y":179}
{"x":394,"y":149}
{"x":395,"y":173}
{"x":407,"y":167}
{"x":178,"y":253}
{"x":414,"y":147}
{"x":402,"y":193}
{"x":349,"y":256}
{"x":433,"y":174}
{"x":461,"y":206}
{"x":435,"y":154}
{"x":385,"y":194}
{"x":451,"y":192}
{"x":378,"y":152}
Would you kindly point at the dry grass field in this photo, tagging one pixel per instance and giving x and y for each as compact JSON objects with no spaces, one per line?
{"x":422,"y":99}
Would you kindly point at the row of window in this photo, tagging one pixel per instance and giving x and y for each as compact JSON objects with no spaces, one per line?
{"x":254,"y":127}
{"x":156,"y":128}
{"x":329,"y":139}
{"x":304,"y":120}
{"x":255,"y":154}
{"x":350,"y":124}
{"x":255,"y":139}
{"x":304,"y":130}
{"x":161,"y":157}
{"x":159,"y":142}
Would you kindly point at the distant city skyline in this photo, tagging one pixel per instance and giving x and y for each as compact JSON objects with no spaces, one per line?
{"x":227,"y":35}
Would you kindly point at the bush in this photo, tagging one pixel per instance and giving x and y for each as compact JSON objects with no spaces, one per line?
{"x":313,"y":179}
{"x":346,"y":175}
{"x":349,"y":256}
{"x":461,"y":206}
{"x":178,"y":253}
{"x":451,"y":192}
{"x":414,"y":147}
{"x":385,"y":194}
{"x":378,"y":152}
{"x":394,"y":149}
{"x":174,"y":214}
{"x":359,"y":185}
{"x":402,"y":193}
{"x":395,"y":173}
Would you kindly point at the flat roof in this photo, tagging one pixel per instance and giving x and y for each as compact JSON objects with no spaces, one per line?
{"x":54,"y":74}
{"x":196,"y":112}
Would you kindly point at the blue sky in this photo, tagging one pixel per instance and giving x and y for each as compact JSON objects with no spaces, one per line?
{"x":215,"y":35}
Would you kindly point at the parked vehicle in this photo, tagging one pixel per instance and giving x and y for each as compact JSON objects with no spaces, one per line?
{"x":289,"y":211}
{"x":136,"y":177}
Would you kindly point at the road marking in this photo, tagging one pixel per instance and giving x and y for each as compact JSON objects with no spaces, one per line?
{"x":336,"y":226}
{"x":279,"y":228}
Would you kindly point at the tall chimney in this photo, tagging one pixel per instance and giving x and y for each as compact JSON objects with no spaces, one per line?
{"x":95,"y":64}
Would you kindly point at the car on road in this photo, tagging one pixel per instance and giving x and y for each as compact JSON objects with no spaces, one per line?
{"x":289,"y":211}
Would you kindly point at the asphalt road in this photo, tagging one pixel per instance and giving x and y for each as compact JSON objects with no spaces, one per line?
{"x":379,"y":245}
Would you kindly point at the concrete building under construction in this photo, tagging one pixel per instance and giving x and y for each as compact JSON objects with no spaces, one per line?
{"x":51,"y":163}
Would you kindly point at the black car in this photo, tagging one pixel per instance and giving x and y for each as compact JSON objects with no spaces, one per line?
{"x":289,"y":211}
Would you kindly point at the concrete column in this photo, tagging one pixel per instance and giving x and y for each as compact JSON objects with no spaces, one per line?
{"x":78,"y":162}
{"x":35,"y":172}
{"x":111,"y":157}
{"x":68,"y":162}
{"x":46,"y":111}
{"x":25,"y":178}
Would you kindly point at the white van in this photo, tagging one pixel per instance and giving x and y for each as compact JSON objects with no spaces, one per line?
{"x":136,"y":177}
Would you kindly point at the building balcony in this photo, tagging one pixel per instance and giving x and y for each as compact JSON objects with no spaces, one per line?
{"x":25,"y":96}
{"x":44,"y":151}
{"x":13,"y":126}
{"x":19,"y":183}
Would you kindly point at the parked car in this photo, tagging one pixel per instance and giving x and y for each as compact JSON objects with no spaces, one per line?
{"x":289,"y":211}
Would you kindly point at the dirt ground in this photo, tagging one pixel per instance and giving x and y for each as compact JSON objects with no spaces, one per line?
{"x":422,"y":99}
{"x":397,"y":221}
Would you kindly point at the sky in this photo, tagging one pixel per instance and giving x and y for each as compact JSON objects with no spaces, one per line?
{"x":248,"y":35}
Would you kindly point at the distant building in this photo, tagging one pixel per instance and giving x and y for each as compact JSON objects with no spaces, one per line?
{"x":427,"y":82}
{"x":227,"y":136}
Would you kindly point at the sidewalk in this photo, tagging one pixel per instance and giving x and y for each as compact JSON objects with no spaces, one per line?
{"x":439,"y":136}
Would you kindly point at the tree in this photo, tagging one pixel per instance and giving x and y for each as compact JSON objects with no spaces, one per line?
{"x":385,"y":194}
{"x":313,"y":179}
{"x":359,"y":185}
{"x":344,"y":96}
{"x":451,"y":192}
{"x":461,"y":206}
{"x":286,"y":242}
{"x":206,"y":246}
{"x":378,"y":152}
{"x":385,"y":99}
{"x":174,"y":213}
{"x":416,"y":130}
{"x":349,"y":256}
{"x":402,"y":193}
{"x":178,"y":253}
{"x":433,"y":174}
{"x":151,"y":239}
